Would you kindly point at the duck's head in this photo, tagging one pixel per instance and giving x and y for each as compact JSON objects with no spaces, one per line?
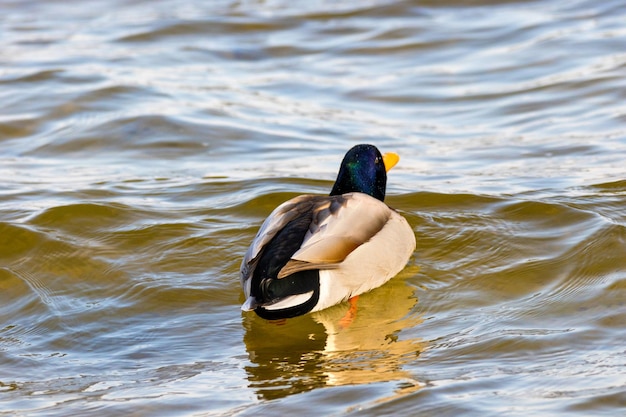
{"x":364,"y":170}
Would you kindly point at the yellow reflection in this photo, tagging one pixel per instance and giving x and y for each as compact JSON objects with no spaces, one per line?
{"x":329,"y":348}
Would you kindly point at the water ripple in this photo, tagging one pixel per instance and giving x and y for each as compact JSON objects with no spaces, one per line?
{"x":142,"y":145}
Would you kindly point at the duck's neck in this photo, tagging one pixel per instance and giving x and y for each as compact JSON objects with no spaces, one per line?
{"x":351,"y":180}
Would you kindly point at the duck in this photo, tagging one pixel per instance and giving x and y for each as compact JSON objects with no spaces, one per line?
{"x":316,"y":251}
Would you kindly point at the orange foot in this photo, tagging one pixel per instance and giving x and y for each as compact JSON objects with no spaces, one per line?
{"x":347,"y":320}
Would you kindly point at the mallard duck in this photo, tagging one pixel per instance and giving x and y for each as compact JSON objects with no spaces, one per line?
{"x":313,"y":251}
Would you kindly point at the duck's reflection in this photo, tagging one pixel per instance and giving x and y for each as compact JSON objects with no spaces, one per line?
{"x":330,"y":348}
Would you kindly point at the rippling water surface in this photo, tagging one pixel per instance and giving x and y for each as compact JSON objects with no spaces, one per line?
{"x":142,"y":143}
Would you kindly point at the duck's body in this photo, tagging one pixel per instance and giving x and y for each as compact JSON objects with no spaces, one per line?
{"x":313,"y":252}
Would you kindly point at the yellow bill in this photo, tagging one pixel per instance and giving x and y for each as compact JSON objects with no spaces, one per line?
{"x":390,"y":159}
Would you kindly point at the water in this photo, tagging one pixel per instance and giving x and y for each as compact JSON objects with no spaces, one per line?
{"x":143,"y":143}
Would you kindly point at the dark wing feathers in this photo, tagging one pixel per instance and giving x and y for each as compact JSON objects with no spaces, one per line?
{"x":314,"y":232}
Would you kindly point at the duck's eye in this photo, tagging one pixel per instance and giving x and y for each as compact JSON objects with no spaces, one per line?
{"x":378,"y":160}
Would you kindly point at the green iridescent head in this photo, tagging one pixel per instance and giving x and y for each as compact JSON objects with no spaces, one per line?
{"x":364,"y":170}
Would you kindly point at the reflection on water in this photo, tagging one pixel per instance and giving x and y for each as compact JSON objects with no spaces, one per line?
{"x":333,"y":347}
